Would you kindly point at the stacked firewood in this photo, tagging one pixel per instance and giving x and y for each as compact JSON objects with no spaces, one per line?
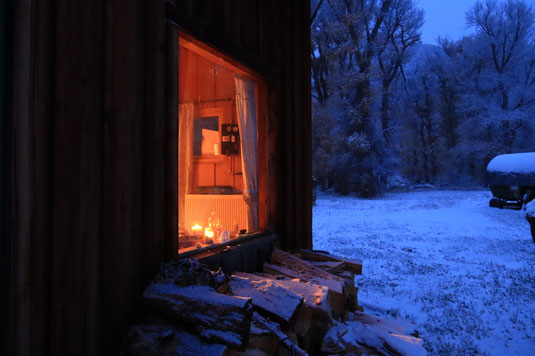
{"x":302,"y":303}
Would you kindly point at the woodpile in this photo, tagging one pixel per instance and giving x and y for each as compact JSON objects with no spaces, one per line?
{"x":304,"y":303}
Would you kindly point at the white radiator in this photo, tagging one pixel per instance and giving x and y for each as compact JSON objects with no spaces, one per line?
{"x":228,"y":208}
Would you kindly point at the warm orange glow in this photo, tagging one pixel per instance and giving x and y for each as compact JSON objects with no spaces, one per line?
{"x":208,"y":232}
{"x":196,"y":230}
{"x":210,"y":178}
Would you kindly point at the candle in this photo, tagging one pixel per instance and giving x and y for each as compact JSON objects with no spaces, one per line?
{"x":196,"y":230}
{"x":209,"y":235}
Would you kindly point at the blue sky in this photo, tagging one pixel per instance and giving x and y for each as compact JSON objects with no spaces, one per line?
{"x":447,"y":18}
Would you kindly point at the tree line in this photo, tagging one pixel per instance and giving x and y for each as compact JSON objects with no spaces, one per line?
{"x":390,"y":110}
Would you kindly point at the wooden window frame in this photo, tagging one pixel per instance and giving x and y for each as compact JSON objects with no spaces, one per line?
{"x":187,"y":40}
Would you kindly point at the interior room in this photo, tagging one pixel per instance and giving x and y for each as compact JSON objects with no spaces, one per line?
{"x":218,"y":145}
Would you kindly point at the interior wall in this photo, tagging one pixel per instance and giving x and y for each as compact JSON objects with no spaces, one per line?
{"x":209,"y":85}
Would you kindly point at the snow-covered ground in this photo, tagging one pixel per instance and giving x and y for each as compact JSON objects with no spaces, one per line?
{"x":463,"y":272}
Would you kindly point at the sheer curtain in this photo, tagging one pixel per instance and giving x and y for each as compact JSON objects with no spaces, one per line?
{"x":246,"y":112}
{"x":185,"y":159}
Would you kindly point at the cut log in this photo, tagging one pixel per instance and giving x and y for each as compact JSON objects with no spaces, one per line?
{"x":333,"y":267}
{"x":268,"y":296}
{"x":342,"y":295}
{"x":313,"y":317}
{"x":349,"y":278}
{"x":316,"y":297}
{"x":216,"y":317}
{"x":306,"y":271}
{"x":336,"y":294}
{"x":283,"y":338}
{"x":351,"y":264}
{"x":336,"y":297}
{"x":190,"y":272}
{"x":261,"y":342}
{"x":165,"y":339}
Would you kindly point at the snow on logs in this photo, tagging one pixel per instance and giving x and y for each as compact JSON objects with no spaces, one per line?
{"x":342,"y":294}
{"x":216,"y":317}
{"x":349,"y":264}
{"x":269,"y":297}
{"x":315,"y":297}
{"x":311,"y":319}
{"x":301,"y":306}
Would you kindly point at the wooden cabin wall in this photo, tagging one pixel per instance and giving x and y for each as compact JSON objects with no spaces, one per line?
{"x":91,"y":154}
{"x":91,"y":208}
{"x":277,"y":34}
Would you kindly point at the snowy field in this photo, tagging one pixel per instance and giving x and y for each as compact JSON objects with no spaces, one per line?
{"x":464,"y":273}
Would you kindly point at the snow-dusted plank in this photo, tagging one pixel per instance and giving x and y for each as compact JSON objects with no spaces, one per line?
{"x":306,"y":271}
{"x":278,"y":302}
{"x":342,"y":296}
{"x":316,"y":297}
{"x":329,"y":266}
{"x":351,"y":264}
{"x":216,"y":317}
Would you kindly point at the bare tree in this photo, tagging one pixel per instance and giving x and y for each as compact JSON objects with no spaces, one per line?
{"x":503,"y":28}
{"x":401,"y":30}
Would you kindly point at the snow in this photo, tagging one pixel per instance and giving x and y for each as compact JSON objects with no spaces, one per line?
{"x":405,"y":345}
{"x":514,"y":162}
{"x":352,"y":335}
{"x":530,"y":208}
{"x":230,"y":337}
{"x":267,"y":295}
{"x":461,"y":271}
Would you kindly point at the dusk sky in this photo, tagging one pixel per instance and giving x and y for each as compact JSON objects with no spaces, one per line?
{"x":447,"y":18}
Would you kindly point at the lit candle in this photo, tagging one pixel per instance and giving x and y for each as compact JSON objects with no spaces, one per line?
{"x":196,"y":230}
{"x":209,"y":235}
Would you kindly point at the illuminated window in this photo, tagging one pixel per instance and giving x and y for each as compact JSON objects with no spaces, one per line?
{"x":218,"y":180}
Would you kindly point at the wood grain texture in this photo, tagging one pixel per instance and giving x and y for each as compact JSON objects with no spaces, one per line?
{"x":92,"y":205}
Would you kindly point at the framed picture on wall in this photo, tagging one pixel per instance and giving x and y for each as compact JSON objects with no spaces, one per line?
{"x":207,"y":132}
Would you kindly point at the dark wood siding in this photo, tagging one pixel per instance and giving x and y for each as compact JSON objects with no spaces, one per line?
{"x":91,"y":154}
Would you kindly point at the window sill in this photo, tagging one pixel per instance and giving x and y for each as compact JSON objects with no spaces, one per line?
{"x":220,"y":247}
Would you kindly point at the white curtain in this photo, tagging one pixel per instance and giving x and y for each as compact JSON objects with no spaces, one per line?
{"x":185,"y":160}
{"x":246,"y":112}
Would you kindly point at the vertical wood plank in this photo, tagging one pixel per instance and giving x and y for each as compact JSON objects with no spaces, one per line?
{"x":171,"y":174}
{"x":44,"y":44}
{"x":77,"y":179}
{"x":21,"y":193}
{"x":289,"y":221}
{"x":155,"y":157}
{"x":124,"y":160}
